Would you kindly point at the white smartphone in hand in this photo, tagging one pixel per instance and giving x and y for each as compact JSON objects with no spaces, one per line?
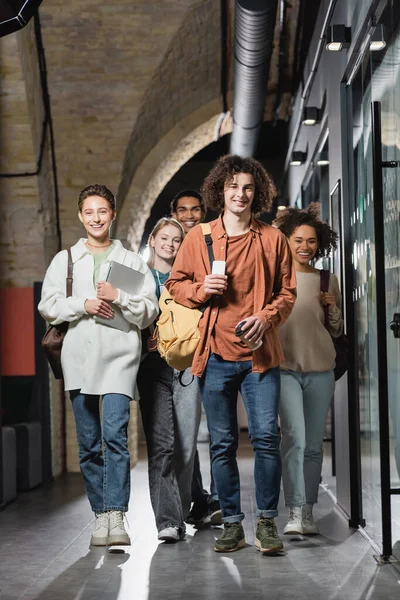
{"x":218,"y":267}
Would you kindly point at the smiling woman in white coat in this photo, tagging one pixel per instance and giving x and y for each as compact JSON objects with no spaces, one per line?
{"x":99,"y":360}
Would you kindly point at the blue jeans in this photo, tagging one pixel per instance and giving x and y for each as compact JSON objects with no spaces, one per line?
{"x":106,"y":472}
{"x":304,"y":404}
{"x":219,"y":387}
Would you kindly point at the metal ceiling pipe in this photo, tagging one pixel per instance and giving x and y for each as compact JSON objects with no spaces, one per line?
{"x":254,"y":36}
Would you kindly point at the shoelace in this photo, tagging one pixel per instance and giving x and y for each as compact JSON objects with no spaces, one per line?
{"x":101,"y":520}
{"x":228,"y":528}
{"x":295,"y":517}
{"x":270,"y":527}
{"x":116,"y":519}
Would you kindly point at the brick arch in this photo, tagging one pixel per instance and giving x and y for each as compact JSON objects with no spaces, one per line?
{"x":180,"y":144}
{"x":186,"y":83}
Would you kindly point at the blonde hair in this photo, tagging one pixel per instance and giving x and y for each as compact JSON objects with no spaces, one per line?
{"x":161,"y":223}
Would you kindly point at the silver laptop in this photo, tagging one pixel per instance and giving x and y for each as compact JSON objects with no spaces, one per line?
{"x":129,"y":281}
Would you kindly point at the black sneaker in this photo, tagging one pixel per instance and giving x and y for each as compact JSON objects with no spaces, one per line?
{"x":267,"y":539}
{"x":232,"y":539}
{"x":214,"y":514}
{"x":198,"y":513}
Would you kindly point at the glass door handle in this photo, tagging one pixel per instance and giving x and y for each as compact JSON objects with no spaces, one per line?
{"x":395,"y":325}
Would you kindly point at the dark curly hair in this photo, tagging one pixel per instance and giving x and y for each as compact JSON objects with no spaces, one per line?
{"x":186,"y":194}
{"x":225,"y":169}
{"x":290,"y":219}
{"x":96,"y":190}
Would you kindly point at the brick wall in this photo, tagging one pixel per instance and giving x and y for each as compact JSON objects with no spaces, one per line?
{"x":98,"y":78}
{"x":26,"y":217}
{"x":124,"y":75}
{"x":135,"y":92}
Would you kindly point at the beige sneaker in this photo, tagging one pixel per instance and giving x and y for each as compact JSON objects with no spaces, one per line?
{"x":309,"y":527}
{"x":295,"y":523}
{"x":117,"y":535}
{"x":100,"y":533}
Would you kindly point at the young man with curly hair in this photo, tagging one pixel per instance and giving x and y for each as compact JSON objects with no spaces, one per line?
{"x":257,"y":291}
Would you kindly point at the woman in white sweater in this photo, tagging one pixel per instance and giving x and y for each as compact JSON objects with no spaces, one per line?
{"x":307,"y":373}
{"x":98,"y":360}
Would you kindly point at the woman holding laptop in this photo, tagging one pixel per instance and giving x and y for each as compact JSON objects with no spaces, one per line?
{"x":99,"y":357}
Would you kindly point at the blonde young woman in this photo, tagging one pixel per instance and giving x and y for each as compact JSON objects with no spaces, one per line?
{"x":170,"y":407}
{"x":307,"y":377}
{"x":98,"y":360}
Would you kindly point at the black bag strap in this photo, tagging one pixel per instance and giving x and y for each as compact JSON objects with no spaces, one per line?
{"x":208,"y":239}
{"x":324,"y":280}
{"x":69,"y":278}
{"x":325,"y":275}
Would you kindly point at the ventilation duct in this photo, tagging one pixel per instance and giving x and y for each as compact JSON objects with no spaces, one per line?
{"x":254,"y":36}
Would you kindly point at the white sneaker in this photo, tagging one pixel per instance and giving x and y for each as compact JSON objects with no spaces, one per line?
{"x":294,"y":525}
{"x":117,"y":535}
{"x":169,"y":535}
{"x":100,"y":533}
{"x":309,"y":527}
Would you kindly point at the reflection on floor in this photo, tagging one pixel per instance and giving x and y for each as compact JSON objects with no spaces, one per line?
{"x":44,"y":554}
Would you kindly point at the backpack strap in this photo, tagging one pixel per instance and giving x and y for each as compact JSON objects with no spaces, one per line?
{"x":324,"y":275}
{"x":69,"y":277}
{"x":208,"y":239}
{"x":324,"y":280}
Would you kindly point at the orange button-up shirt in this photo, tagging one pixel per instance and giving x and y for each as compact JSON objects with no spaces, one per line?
{"x":274,"y":287}
{"x":237,"y":301}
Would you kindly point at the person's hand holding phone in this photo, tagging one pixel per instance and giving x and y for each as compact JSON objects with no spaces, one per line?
{"x":217,"y":282}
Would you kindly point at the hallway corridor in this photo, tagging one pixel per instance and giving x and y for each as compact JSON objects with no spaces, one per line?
{"x":44,"y":553}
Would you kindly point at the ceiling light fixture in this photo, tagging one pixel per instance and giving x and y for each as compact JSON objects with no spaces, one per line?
{"x":298,"y":158}
{"x":338,"y":37}
{"x":311,"y":115}
{"x":323,"y":159}
{"x":378,"y":39}
{"x":283,"y":203}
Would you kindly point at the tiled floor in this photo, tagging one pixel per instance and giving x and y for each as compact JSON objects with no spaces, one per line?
{"x":44,"y":554}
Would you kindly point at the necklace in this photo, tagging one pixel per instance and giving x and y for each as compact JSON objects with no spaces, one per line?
{"x":93,"y":246}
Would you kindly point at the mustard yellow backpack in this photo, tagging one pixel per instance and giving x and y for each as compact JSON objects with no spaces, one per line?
{"x":178,"y":332}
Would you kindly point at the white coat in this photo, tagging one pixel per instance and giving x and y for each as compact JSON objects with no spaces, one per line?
{"x":97,"y":359}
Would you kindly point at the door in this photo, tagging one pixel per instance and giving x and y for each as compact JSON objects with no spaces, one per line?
{"x":375,"y":219}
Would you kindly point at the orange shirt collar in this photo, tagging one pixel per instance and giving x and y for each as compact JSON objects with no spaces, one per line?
{"x":220,"y":229}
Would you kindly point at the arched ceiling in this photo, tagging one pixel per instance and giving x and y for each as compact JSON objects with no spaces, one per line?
{"x":131,"y":81}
